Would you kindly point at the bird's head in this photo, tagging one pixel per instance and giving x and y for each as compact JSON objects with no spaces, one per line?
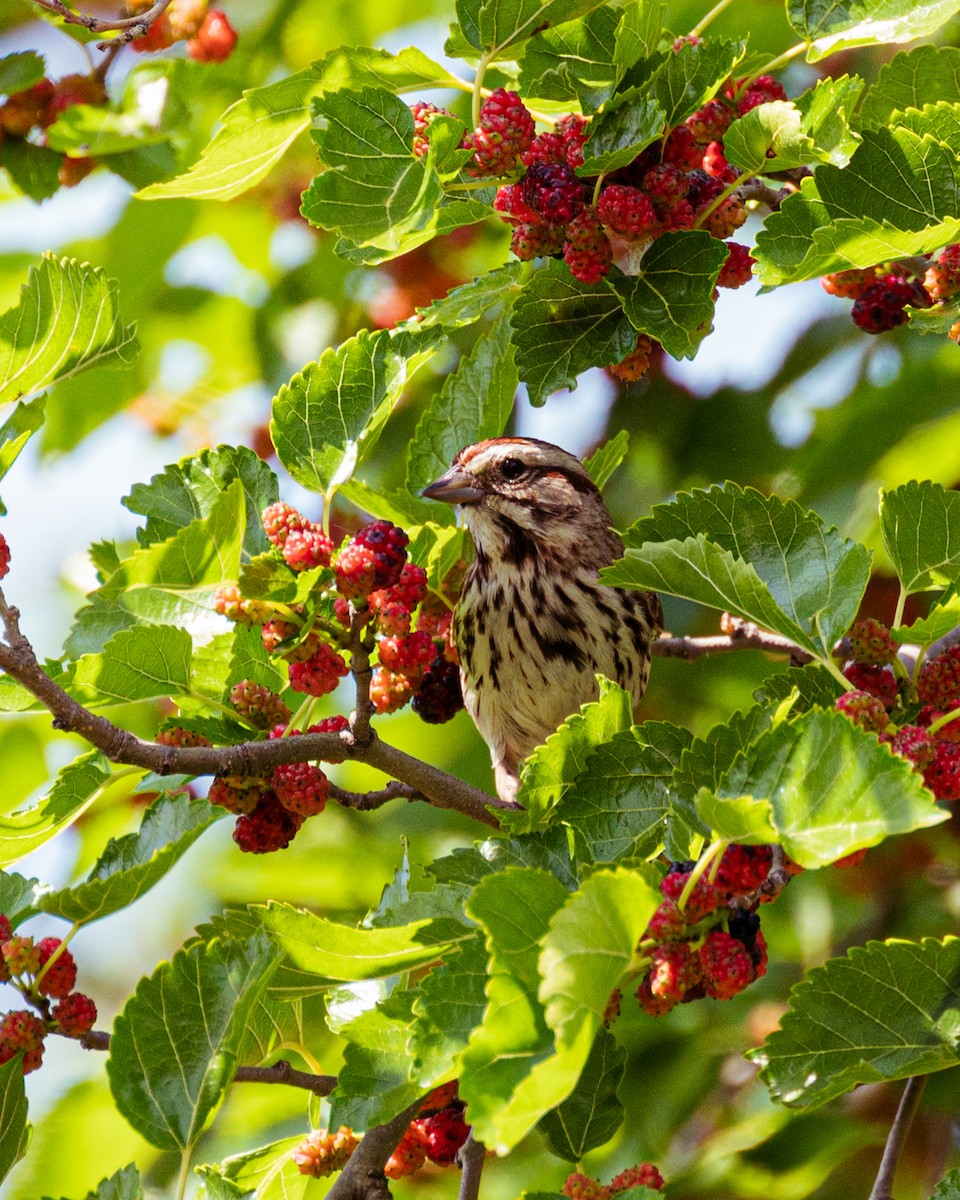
{"x":521,"y":497}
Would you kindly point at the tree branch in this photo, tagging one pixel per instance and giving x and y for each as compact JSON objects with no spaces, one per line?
{"x":906,"y":1110}
{"x":363,"y":1178}
{"x":129,"y":27}
{"x":471,"y":1157}
{"x":279,"y":1072}
{"x":738,"y":635}
{"x":438,"y":788}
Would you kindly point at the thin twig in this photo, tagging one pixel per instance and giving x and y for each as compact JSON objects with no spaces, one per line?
{"x":369,"y":801}
{"x":906,"y":1110}
{"x":738,"y":635}
{"x":360,"y":648}
{"x":471,"y":1157}
{"x":756,"y":189}
{"x":129,"y":27}
{"x":279,"y":1072}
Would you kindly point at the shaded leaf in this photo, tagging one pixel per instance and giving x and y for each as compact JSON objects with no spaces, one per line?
{"x":131,"y":865}
{"x":14,"y":1130}
{"x":592,"y":1113}
{"x":374,"y":1083}
{"x":174,"y":1047}
{"x":66,"y":321}
{"x":16,"y":431}
{"x":75,"y":788}
{"x":888,"y":1010}
{"x":493,"y":28}
{"x":124,"y":1184}
{"x":574,"y":60}
{"x":606,"y":458}
{"x":20,"y":71}
{"x":630,"y":122}
{"x":562,"y":327}
{"x":449,"y":1005}
{"x":672,"y":297}
{"x":692,"y":74}
{"x":470,"y":301}
{"x":17,"y":897}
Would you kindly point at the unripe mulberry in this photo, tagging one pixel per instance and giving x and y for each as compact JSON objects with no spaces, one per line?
{"x":702,"y":900}
{"x":674,"y":968}
{"x":637,"y":362}
{"x":761,"y":90}
{"x":214,"y":40}
{"x":301,"y":788}
{"x":389,"y":690}
{"x":587,"y":250}
{"x":319,"y":674}
{"x":4,"y":556}
{"x":738,"y":267}
{"x":871,"y":643}
{"x":410,"y":655}
{"x":682,"y":150}
{"x":554,"y":192}
{"x":22,"y":1031}
{"x":236,"y":795}
{"x":443,"y":1134}
{"x":306,"y":548}
{"x":258,"y":704}
{"x":75,"y":1015}
{"x":850,"y":284}
{"x":864,"y":710}
{"x":627,"y":211}
{"x":537,"y":241}
{"x":726,"y":965}
{"x":582,"y":1187}
{"x":21,"y":956}
{"x":322,"y":1152}
{"x":726,"y":218}
{"x":877,"y":681}
{"x":505,"y":130}
{"x":710,"y":123}
{"x":268,"y":827}
{"x":60,"y":978}
{"x":279,"y":520}
{"x":742,"y":869}
{"x":423,"y":113}
{"x":939,"y":680}
{"x":229,"y":601}
{"x":408,"y":1157}
{"x":643,"y":1175}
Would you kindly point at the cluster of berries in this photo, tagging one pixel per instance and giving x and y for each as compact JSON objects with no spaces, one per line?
{"x":437,"y":1134}
{"x":583,"y":1187}
{"x":882,"y":294}
{"x":918,"y":719}
{"x":4,"y":557}
{"x":209,"y":35}
{"x":695,"y":944}
{"x":680,"y":182}
{"x":365,"y":595}
{"x":41,"y":972}
{"x":323,"y":1152}
{"x":34,"y":109}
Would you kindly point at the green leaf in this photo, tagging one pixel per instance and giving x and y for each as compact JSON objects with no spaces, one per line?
{"x":186,"y":490}
{"x":16,"y":431}
{"x":174,"y":1047}
{"x":592,"y":1113}
{"x":910,"y":80}
{"x":621,"y":801}
{"x":691,"y":75}
{"x":438,"y":549}
{"x":768,"y":138}
{"x":256,"y":130}
{"x":553,"y":768}
{"x":76,"y":787}
{"x":513,"y":908}
{"x":920,"y":523}
{"x":841,"y":219}
{"x":124,"y":1184}
{"x":628,"y":124}
{"x":138,"y":664}
{"x":450,"y":1004}
{"x":331,"y":414}
{"x":546,"y":851}
{"x":65,"y":322}
{"x":20,"y":71}
{"x":323,"y":948}
{"x":35,"y":170}
{"x":943,"y":617}
{"x":949,"y":1187}
{"x":832,"y":25}
{"x":606,"y":458}
{"x":374,"y":1083}
{"x":14,"y":1130}
{"x":475,"y":403}
{"x":888,"y":1010}
{"x":170,"y":582}
{"x":574,"y":61}
{"x":672,"y":297}
{"x":269,"y":1173}
{"x":562,"y":327}
{"x":826,"y":109}
{"x":831,"y":788}
{"x":467,"y":303}
{"x":131,"y":865}
{"x":492,"y":28}
{"x":17,"y":897}
{"x":763,"y":558}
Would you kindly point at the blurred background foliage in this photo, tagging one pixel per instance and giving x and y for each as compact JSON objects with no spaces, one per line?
{"x":230,"y":300}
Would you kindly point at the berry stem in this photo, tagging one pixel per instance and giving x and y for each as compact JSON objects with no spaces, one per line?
{"x":725,"y":194}
{"x":226,"y":710}
{"x":901,"y":604}
{"x":940,"y":722}
{"x":64,"y":942}
{"x":478,"y":90}
{"x":704,"y":861}
{"x":714,"y":12}
{"x":184,"y":1174}
{"x":775,"y":63}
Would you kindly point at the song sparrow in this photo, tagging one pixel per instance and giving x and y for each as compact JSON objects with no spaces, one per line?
{"x":533,"y":625}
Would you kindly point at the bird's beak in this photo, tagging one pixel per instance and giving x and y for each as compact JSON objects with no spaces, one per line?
{"x":457,"y":486}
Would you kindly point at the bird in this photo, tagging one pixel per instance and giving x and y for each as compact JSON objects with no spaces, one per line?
{"x":534,"y":625}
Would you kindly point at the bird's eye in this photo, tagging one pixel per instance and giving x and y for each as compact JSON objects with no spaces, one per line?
{"x":512,"y":468}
